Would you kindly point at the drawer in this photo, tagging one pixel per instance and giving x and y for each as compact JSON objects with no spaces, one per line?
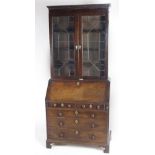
{"x":77,"y":119}
{"x":100,"y":125}
{"x":77,"y":135}
{"x":89,"y":114}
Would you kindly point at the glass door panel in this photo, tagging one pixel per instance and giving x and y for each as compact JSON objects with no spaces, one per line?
{"x":93,"y":45}
{"x":63,"y":46}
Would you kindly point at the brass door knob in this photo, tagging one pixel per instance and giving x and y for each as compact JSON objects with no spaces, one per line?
{"x":76,"y":47}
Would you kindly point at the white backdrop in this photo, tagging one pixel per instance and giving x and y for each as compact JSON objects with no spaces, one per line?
{"x":25,"y":72}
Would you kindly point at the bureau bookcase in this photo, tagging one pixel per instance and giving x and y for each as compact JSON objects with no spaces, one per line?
{"x":77,"y":98}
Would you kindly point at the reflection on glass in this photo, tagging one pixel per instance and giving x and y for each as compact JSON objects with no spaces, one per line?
{"x":63,"y":46}
{"x":93,"y":43}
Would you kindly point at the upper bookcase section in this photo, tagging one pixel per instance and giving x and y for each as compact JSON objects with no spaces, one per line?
{"x":79,"y":41}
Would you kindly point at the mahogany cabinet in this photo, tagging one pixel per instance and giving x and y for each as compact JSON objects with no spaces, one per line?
{"x":77,"y":98}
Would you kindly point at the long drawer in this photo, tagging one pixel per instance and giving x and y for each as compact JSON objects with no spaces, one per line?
{"x":89,"y":114}
{"x":77,"y":135}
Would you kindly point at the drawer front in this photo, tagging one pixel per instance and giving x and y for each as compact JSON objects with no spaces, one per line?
{"x":88,"y":114}
{"x":78,"y":123}
{"x":78,"y":91}
{"x":77,"y":135}
{"x":91,"y":120}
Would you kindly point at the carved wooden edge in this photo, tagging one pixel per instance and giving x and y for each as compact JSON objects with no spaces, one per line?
{"x":90,"y":6}
{"x":77,"y":79}
{"x":103,"y":107}
{"x":105,"y":148}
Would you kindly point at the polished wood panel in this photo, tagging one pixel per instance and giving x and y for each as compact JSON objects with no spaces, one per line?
{"x":79,"y":123}
{"x":78,"y":135}
{"x":77,"y":91}
{"x":77,"y":119}
{"x":76,"y":113}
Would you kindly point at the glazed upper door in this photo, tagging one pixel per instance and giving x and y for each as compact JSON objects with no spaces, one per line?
{"x":93,"y":40}
{"x":79,"y":45}
{"x":63,"y":41}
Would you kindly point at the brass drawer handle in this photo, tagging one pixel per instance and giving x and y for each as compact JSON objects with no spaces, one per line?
{"x":62,"y":104}
{"x":92,"y":137}
{"x":76,"y":121}
{"x":93,"y":125}
{"x":69,"y":106}
{"x":98,"y":107}
{"x":60,"y":114}
{"x":76,"y":132}
{"x":90,"y":106}
{"x":61,"y":124}
{"x":76,"y":112}
{"x":61,"y":135}
{"x":83,"y":106}
{"x":92,"y":115}
{"x":78,"y":83}
{"x":54,"y":104}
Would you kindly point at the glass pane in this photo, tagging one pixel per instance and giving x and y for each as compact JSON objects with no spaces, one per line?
{"x":63,"y":46}
{"x":93,"y":43}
